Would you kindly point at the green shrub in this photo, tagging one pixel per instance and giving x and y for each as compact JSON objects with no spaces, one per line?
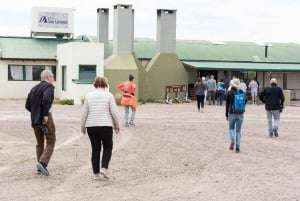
{"x":66,"y":102}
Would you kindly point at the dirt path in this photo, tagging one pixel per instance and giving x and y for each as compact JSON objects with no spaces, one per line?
{"x":174,"y":153}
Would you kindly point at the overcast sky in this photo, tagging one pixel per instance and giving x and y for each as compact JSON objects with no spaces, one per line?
{"x":258,"y":21}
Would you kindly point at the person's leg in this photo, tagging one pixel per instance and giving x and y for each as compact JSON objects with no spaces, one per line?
{"x":252,"y":96}
{"x":202,"y":101}
{"x":133,"y":111}
{"x":198,"y":102}
{"x":94,"y":135}
{"x":126,"y":115}
{"x":276,"y":115}
{"x":231,"y":119}
{"x":39,"y":141}
{"x":255,"y":96}
{"x":50,"y":141}
{"x":218,"y":98}
{"x":209,"y":94}
{"x":269,"y":120}
{"x":221,"y":97}
{"x":213,"y":97}
{"x":107,"y":142}
{"x":239,"y":123}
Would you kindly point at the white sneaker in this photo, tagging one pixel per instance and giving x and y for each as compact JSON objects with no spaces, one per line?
{"x":97,"y":176}
{"x":104,"y":173}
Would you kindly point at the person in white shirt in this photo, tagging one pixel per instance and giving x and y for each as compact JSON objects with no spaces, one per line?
{"x":253,"y":86}
{"x":99,"y":118}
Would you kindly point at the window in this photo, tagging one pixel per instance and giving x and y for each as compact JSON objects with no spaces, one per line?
{"x":28,"y":72}
{"x":87,"y":72}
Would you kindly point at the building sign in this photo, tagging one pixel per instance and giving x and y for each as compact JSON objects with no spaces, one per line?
{"x":53,"y":20}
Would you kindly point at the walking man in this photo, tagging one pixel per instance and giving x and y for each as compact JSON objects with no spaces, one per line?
{"x":273,"y":98}
{"x":253,"y":86}
{"x":39,"y":104}
{"x":211,"y":90}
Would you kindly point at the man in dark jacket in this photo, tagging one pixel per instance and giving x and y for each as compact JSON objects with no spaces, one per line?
{"x":39,"y":104}
{"x":273,"y":98}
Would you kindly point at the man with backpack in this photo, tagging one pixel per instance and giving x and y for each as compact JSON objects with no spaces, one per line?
{"x":235,"y":108}
{"x":273,"y":98}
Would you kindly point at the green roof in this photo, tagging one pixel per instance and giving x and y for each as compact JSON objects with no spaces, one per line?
{"x":244,"y":66}
{"x":200,"y":50}
{"x":30,"y":48}
{"x":144,"y":48}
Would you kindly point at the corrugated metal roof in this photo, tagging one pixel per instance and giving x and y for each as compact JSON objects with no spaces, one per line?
{"x":244,"y":66}
{"x":200,"y":50}
{"x":30,"y":48}
{"x":188,"y":50}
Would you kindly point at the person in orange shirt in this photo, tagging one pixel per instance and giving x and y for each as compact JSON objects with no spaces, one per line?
{"x":128,"y":99}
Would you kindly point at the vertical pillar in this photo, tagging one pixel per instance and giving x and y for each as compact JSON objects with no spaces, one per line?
{"x":166,"y":31}
{"x":102,"y":28}
{"x":123,"y":29}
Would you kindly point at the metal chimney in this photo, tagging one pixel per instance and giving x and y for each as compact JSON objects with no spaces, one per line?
{"x":102,"y":28}
{"x":123,"y":29}
{"x":166,"y":31}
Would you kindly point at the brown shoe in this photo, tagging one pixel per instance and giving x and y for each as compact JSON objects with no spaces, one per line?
{"x":231,"y":146}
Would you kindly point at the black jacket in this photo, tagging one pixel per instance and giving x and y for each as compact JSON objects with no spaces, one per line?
{"x":230,"y":99}
{"x":39,"y":101}
{"x":272,"y":97}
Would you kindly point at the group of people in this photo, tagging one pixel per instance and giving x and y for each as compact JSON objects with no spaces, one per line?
{"x":100,"y":119}
{"x":210,"y":90}
{"x":273,"y":98}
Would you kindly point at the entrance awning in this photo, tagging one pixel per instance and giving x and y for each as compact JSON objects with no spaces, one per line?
{"x":244,"y":66}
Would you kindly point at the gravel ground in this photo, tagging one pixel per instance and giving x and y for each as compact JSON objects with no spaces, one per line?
{"x":173,"y":153}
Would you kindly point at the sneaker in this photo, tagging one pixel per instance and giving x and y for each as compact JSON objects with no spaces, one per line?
{"x":275,"y":133}
{"x":126,"y":125}
{"x":103,"y":172}
{"x":231,"y":147}
{"x":42,"y":167}
{"x":271,"y":134}
{"x":131,"y":123}
{"x":97,"y":176}
{"x":38,"y":171}
{"x":237,"y":150}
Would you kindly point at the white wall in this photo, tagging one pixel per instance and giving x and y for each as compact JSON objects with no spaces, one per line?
{"x":18,"y":89}
{"x":72,"y":55}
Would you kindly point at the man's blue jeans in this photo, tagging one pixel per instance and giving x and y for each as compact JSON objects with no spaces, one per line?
{"x":235,"y":127}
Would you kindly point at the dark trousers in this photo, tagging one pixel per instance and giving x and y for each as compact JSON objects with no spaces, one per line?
{"x":100,"y":135}
{"x":44,"y":153}
{"x":200,"y":100}
{"x":211,"y":97}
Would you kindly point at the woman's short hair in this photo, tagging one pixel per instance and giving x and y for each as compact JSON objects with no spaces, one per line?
{"x":100,"y":82}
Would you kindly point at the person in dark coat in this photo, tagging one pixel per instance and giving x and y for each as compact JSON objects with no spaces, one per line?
{"x":273,"y":98}
{"x":39,"y":104}
{"x":200,"y":88}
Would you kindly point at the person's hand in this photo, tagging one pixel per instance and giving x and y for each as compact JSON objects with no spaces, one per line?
{"x":45,"y":120}
{"x":117,"y":130}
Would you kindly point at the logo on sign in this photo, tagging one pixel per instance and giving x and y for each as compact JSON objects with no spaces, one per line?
{"x":53,"y":20}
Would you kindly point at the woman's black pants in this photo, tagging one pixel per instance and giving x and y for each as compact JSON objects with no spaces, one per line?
{"x":100,"y":136}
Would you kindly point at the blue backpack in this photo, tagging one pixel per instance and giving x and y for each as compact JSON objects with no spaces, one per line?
{"x":239,"y":103}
